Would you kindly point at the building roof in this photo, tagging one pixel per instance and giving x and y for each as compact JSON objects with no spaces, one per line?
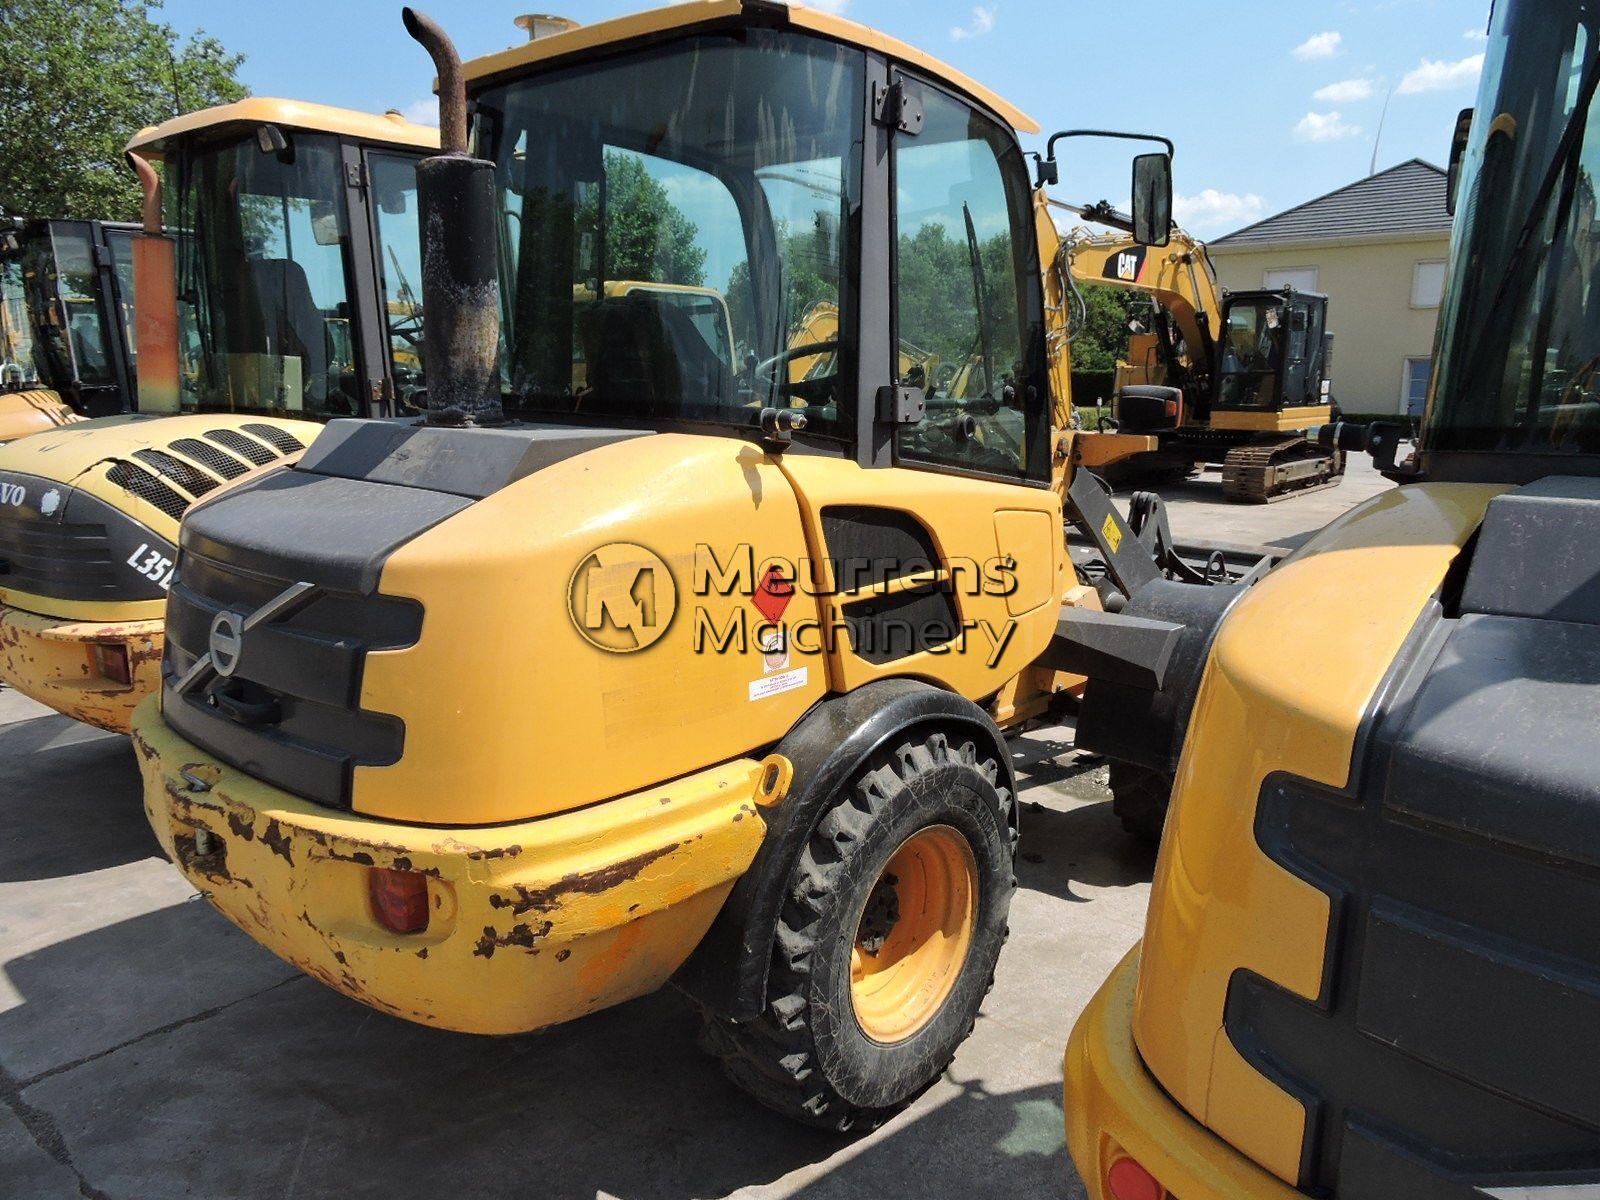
{"x":1405,"y":199}
{"x":696,"y":12}
{"x":389,"y":129}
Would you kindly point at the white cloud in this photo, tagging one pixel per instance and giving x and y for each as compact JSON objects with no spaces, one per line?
{"x":1211,"y":209}
{"x":983,"y":17}
{"x":1432,"y":76}
{"x":422,"y":112}
{"x":1322,"y":45}
{"x":1346,"y":91}
{"x":1325,"y":127}
{"x":1476,"y":34}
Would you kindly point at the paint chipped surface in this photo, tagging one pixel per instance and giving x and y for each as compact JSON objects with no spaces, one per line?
{"x":52,"y":661}
{"x":529,"y":924}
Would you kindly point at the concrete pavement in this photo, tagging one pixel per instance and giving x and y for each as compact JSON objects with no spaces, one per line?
{"x":150,"y":1050}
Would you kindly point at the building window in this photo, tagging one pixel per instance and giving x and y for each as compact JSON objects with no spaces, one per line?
{"x":1427,"y":284}
{"x":1301,"y":279}
{"x":1419,"y":374}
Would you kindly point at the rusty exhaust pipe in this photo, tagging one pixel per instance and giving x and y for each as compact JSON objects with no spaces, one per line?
{"x":460,"y":282}
{"x":150,"y":185}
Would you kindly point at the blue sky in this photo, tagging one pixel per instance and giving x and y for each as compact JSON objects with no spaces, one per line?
{"x":1270,"y":104}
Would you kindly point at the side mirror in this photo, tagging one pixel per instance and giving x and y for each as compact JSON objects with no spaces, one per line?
{"x":1152,"y":199}
{"x":1458,"y":152}
{"x":270,"y":139}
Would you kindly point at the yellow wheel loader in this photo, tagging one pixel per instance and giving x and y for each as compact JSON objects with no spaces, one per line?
{"x":1236,"y":378}
{"x":1371,"y":967}
{"x":624,"y":668}
{"x":274,"y":290}
{"x":66,"y":315}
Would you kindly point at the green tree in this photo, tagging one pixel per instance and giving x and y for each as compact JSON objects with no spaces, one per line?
{"x":648,"y":238}
{"x":81,"y":78}
{"x":1102,"y":331}
{"x":810,"y":275}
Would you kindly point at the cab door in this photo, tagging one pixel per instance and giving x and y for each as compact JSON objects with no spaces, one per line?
{"x":941,"y":552}
{"x":389,"y":278}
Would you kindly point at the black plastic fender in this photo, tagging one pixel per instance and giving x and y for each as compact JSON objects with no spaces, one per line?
{"x":727,"y":972}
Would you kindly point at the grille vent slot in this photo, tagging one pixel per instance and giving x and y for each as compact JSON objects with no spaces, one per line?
{"x":211,"y":458}
{"x":196,"y":483}
{"x":148,"y":488}
{"x":285,"y":441}
{"x":257,"y":453}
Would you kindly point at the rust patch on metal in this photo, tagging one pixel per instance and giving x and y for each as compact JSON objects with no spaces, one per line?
{"x":276,"y":840}
{"x":521,"y":935}
{"x":545,"y":899}
{"x":498,"y":852}
{"x":241,"y":826}
{"x":563,"y":954}
{"x":213,"y":865}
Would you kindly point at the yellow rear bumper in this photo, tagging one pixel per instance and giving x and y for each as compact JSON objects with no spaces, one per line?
{"x":529,"y":925}
{"x":53,"y":661}
{"x":1115,"y":1109}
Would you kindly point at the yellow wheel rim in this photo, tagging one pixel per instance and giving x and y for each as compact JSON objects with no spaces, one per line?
{"x":913,"y":934}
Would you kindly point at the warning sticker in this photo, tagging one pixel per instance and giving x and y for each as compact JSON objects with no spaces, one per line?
{"x":1111,"y":533}
{"x":776,"y":685}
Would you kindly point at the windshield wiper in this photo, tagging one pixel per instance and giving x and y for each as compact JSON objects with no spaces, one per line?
{"x":980,"y":299}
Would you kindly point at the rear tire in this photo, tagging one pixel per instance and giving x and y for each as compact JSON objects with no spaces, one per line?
{"x":909,"y":953}
{"x":1140,"y":798}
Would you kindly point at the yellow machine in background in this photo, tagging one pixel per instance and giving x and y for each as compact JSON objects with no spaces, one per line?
{"x":296,"y":306}
{"x":66,"y":316}
{"x":1371,"y":967}
{"x":621,"y":668}
{"x":1235,"y":378}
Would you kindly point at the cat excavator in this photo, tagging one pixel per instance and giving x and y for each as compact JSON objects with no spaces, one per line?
{"x":270,"y":281}
{"x":619,"y":668}
{"x":66,"y":316}
{"x":1238,"y":378}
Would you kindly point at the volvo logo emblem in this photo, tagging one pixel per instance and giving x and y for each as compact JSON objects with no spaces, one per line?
{"x":226,"y":643}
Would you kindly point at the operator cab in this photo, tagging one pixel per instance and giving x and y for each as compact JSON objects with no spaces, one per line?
{"x":702,"y":230}
{"x":294,"y":224}
{"x":1274,"y":353}
{"x":66,"y":312}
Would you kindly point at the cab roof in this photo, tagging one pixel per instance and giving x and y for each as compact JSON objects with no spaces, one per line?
{"x":699,"y":12}
{"x":387,"y":128}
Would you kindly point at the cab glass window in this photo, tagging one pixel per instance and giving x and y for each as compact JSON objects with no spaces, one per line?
{"x":965,"y":295}
{"x":263,"y":268}
{"x":85,"y":331}
{"x":675,"y":231}
{"x":394,"y":197}
{"x":18,"y":364}
{"x":120,"y":243}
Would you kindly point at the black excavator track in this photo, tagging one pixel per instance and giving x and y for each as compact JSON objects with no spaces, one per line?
{"x":1263,"y":472}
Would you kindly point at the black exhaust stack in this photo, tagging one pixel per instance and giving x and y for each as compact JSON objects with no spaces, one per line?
{"x":460,"y":285}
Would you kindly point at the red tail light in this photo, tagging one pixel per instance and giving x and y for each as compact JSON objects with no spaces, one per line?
{"x":1128,"y":1180}
{"x":399,"y":899}
{"x":111,"y":662}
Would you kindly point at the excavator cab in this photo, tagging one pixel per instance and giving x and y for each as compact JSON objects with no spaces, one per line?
{"x":1275,"y":353}
{"x":66,"y":323}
